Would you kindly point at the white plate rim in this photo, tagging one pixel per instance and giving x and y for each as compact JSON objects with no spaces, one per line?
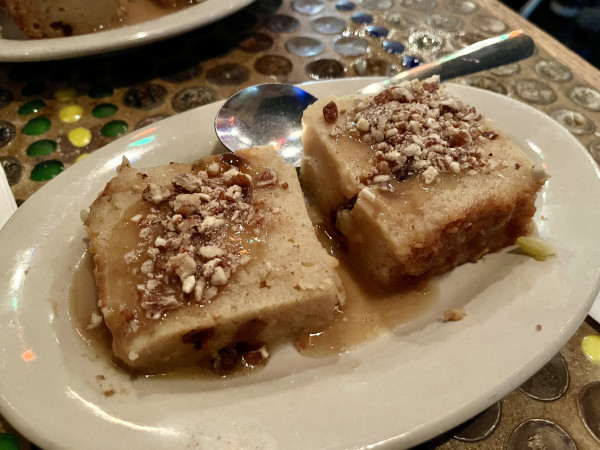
{"x":11,"y":406}
{"x":170,"y":25}
{"x":595,"y":310}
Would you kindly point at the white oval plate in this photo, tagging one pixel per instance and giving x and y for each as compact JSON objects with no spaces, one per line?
{"x":398,"y":391}
{"x":595,"y":310}
{"x":23,"y":49}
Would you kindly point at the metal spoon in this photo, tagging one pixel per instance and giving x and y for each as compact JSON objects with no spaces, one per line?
{"x":271,"y":114}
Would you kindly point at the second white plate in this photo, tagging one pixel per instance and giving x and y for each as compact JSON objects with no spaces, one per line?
{"x":399,"y":390}
{"x":23,"y":49}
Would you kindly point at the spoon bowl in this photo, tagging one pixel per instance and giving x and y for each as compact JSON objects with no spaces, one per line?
{"x":271,"y":114}
{"x":265,"y":114}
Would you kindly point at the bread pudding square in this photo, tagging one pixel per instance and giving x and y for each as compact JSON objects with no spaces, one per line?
{"x":51,"y":18}
{"x":415,"y":180}
{"x":208,"y":263}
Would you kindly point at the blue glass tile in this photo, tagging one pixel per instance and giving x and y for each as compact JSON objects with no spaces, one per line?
{"x":345,"y":6}
{"x":376,"y":31}
{"x":411,"y":61}
{"x":393,"y":47}
{"x":362,"y":18}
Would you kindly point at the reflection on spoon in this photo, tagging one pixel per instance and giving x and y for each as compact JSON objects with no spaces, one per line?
{"x":271,"y":114}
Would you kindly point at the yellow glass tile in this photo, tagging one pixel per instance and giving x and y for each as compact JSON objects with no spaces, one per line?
{"x":80,"y":137}
{"x":82,"y":156}
{"x":590,"y":345}
{"x":70,"y":114}
{"x":63,"y":94}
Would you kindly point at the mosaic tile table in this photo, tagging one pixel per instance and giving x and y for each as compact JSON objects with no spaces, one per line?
{"x":53,"y":114}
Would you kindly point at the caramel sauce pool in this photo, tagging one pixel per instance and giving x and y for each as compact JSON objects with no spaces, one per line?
{"x":82,"y":302}
{"x":139,"y":11}
{"x":368,"y":313}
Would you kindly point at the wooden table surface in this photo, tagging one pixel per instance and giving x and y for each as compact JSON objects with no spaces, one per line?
{"x":296,"y":41}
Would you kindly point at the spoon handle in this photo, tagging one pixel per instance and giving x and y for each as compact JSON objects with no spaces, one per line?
{"x":487,"y":54}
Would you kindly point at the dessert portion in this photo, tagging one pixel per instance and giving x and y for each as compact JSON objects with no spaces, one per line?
{"x":208,"y":263}
{"x":52,"y":18}
{"x":416,"y":181}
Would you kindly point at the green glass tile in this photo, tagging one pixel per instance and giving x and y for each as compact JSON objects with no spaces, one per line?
{"x":101,"y":91}
{"x":114,"y":128}
{"x":31,"y":107}
{"x":36,"y":126}
{"x":35,"y":88}
{"x":40,"y":148}
{"x":104,"y":110}
{"x":8,"y":442}
{"x":46,"y":170}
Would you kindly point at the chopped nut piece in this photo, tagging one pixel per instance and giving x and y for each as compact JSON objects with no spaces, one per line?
{"x":188,"y":284}
{"x":362,"y":124}
{"x":210,"y":223}
{"x":147,"y":266}
{"x":267,"y":178}
{"x":129,"y":257}
{"x":330,"y":112}
{"x":454,"y":314}
{"x":188,"y":182}
{"x":183,"y":264}
{"x":211,"y":251}
{"x":155,"y":193}
{"x":214,"y":169}
{"x":211,"y":292}
{"x":430,"y":174}
{"x":155,"y":307}
{"x":219,"y":277}
{"x":199,"y":290}
{"x":381,"y":178}
{"x":95,"y":321}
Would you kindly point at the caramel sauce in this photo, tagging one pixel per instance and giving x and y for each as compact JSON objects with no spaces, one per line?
{"x":369,"y":311}
{"x":407,"y":196}
{"x":139,"y":11}
{"x":82,"y":301}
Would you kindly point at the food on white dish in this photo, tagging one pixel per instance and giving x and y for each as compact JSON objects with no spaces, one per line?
{"x":60,"y":18}
{"x":208,"y":263}
{"x":415,"y":180}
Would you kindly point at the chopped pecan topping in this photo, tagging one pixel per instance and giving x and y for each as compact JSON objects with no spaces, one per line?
{"x":186,"y":251}
{"x":417,"y":128}
{"x":267,"y":178}
{"x":155,"y":193}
